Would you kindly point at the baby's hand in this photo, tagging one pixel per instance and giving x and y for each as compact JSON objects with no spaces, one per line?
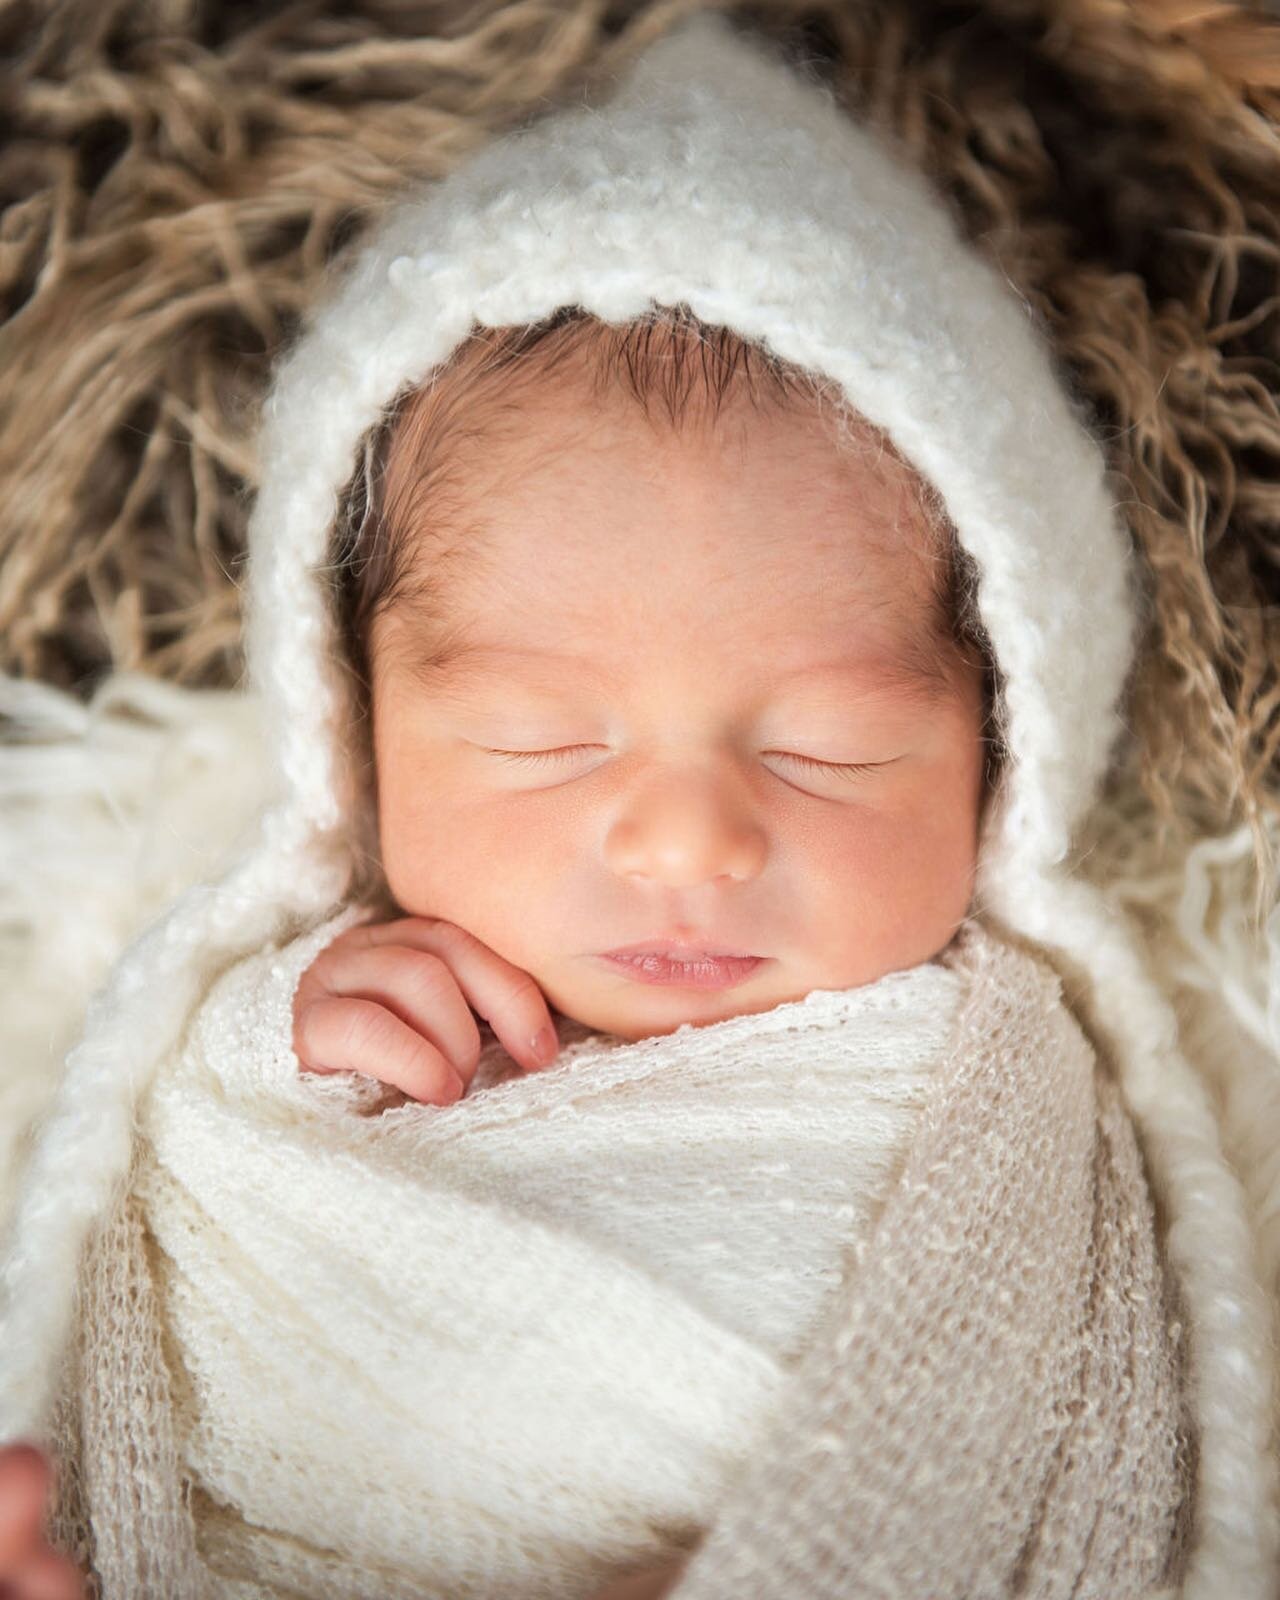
{"x":30,"y":1568}
{"x":392,"y":1000}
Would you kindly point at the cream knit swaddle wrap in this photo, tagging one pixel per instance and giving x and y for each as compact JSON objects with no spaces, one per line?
{"x":509,"y":1345}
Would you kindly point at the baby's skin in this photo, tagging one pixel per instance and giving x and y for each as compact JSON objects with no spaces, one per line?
{"x":30,"y":1568}
{"x":397,"y":1001}
{"x":680,"y":687}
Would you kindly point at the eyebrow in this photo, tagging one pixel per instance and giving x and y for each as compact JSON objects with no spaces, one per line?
{"x":913,"y":670}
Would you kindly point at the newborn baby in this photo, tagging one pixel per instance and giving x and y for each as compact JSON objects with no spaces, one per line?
{"x":764,"y":766}
{"x":693,"y":682}
{"x":674,"y":702}
{"x":698,"y":684}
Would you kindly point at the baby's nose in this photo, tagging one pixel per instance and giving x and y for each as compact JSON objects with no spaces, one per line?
{"x":684,"y":831}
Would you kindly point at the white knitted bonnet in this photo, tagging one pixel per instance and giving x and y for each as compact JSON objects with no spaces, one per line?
{"x":721,"y":175}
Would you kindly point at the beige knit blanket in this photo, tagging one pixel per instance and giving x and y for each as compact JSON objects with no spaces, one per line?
{"x":1001,"y":1404}
{"x":996,"y":1403}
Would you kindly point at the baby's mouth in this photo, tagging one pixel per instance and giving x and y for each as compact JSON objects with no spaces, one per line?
{"x":681,"y":966}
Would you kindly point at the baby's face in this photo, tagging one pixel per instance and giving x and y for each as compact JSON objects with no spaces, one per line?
{"x":685,"y":621}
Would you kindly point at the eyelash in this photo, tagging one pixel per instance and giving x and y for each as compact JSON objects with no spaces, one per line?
{"x":538,"y":757}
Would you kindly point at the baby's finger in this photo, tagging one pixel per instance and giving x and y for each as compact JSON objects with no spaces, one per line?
{"x":46,"y":1575}
{"x":417,"y":986}
{"x":340,"y":1033}
{"x":505,"y":995}
{"x":24,"y":1485}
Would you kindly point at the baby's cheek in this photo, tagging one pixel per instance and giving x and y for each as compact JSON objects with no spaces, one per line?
{"x":498,"y":871}
{"x":890,"y":883}
{"x":436,"y":852}
{"x":427,"y":840}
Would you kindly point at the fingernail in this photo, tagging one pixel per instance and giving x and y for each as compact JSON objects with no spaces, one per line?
{"x":544,"y":1045}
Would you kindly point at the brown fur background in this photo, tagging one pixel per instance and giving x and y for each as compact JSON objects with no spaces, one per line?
{"x":175,"y":177}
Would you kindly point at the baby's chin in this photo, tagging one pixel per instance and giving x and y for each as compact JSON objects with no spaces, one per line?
{"x":647,"y":1011}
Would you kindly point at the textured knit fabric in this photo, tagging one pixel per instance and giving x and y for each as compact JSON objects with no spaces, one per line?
{"x":1011,"y":1329}
{"x":732,"y":1162}
{"x":582,"y":1287}
{"x":526,"y":1379}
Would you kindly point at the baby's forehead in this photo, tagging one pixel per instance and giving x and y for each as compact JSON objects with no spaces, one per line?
{"x":563,"y":455}
{"x":622,"y":585}
{"x":541,"y":621}
{"x":556,"y":488}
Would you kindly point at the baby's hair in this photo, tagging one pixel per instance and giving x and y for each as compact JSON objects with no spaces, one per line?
{"x":400,"y":495}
